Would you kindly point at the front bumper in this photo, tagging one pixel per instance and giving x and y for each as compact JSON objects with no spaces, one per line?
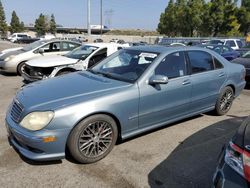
{"x":4,"y":67}
{"x":31,"y":145}
{"x":29,"y":79}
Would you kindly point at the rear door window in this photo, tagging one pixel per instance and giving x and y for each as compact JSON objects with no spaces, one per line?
{"x":200,"y":61}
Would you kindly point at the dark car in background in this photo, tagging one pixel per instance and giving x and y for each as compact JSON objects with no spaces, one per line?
{"x":245,"y":61}
{"x":233,"y":170}
{"x":225,"y":51}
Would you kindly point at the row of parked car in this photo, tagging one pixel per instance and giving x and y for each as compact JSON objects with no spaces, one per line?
{"x":124,"y":91}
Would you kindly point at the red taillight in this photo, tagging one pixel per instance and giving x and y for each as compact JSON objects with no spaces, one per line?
{"x":239,"y":160}
{"x":246,"y":162}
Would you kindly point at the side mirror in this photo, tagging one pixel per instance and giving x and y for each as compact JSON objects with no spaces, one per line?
{"x":158,"y":79}
{"x":40,"y":50}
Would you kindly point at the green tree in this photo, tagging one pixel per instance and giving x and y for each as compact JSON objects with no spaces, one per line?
{"x":206,"y":28}
{"x":40,"y":25}
{"x":182,"y":18}
{"x":194,"y":16}
{"x":246,"y":4}
{"x":3,"y":24}
{"x":243,"y":16}
{"x":168,"y":20}
{"x":22,"y":28}
{"x":217,"y":15}
{"x":52,"y":24}
{"x":15,"y":25}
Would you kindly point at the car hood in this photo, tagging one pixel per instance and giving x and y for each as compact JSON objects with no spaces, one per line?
{"x":51,"y":61}
{"x":65,"y":90}
{"x":10,"y":50}
{"x":10,"y":53}
{"x":242,"y":61}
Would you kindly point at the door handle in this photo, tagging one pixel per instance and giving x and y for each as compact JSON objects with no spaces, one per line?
{"x":221,"y":74}
{"x":186,"y":82}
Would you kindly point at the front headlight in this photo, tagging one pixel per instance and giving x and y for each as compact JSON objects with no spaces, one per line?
{"x":37,"y":120}
{"x":9,"y":58}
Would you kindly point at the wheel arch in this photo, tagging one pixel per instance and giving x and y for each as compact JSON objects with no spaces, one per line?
{"x":18,"y":64}
{"x":99,"y":113}
{"x":65,"y":69}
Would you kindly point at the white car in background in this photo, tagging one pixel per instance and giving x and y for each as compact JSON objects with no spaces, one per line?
{"x":16,"y":36}
{"x":13,"y":61}
{"x":81,"y":58}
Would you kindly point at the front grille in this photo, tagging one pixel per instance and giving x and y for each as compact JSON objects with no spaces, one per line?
{"x":16,"y":111}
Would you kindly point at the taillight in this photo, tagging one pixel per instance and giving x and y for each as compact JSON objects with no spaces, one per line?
{"x":239,"y":160}
{"x":243,"y":74}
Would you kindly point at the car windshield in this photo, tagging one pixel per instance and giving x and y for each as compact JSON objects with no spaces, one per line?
{"x":246,"y":55}
{"x":81,"y":52}
{"x":125,"y":65}
{"x":33,"y":45}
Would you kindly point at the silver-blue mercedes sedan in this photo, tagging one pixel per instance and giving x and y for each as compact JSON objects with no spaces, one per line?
{"x":130,"y":92}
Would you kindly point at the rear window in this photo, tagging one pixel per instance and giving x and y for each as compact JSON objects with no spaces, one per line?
{"x":200,"y":61}
{"x":239,"y":43}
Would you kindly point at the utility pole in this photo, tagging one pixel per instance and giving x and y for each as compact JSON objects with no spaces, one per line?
{"x":101,"y":14}
{"x":88,"y":21}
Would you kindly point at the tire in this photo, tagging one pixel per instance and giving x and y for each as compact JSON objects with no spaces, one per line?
{"x":85,"y":143}
{"x":224,"y":101}
{"x":20,"y":68}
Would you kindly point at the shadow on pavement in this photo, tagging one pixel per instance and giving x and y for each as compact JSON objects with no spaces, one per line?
{"x":194,"y":161}
{"x":7,"y":74}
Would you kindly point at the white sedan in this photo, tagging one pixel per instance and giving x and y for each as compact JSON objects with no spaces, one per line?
{"x":13,"y":60}
{"x":81,"y":58}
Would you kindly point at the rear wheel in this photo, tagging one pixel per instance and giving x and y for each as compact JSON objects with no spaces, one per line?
{"x":93,"y":138}
{"x":224,"y":101}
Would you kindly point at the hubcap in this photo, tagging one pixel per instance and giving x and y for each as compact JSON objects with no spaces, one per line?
{"x":95,"y":139}
{"x":226,"y":101}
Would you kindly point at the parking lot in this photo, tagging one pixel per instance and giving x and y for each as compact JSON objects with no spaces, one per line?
{"x":182,"y":154}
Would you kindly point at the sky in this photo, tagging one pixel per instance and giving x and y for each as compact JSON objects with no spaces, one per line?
{"x":117,"y":14}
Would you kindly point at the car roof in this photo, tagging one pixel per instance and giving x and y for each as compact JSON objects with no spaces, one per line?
{"x":102,"y":44}
{"x":168,"y":49}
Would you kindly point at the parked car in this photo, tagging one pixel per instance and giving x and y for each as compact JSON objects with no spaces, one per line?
{"x":233,"y":43}
{"x":98,"y":40}
{"x":233,"y":170}
{"x":223,"y":50}
{"x":245,"y":61}
{"x":81,"y":58}
{"x":244,"y":49}
{"x":13,"y":61}
{"x":177,"y":44}
{"x":27,"y":40}
{"x":134,"y":90}
{"x":17,"y":36}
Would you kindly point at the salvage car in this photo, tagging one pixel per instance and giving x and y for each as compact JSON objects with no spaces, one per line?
{"x":81,"y":58}
{"x":13,"y":61}
{"x":245,"y":61}
{"x":225,"y":51}
{"x":233,"y":170}
{"x":134,"y":90}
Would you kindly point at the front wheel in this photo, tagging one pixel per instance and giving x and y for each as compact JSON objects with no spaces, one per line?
{"x":20,"y":68}
{"x":93,"y":138}
{"x":224,"y":101}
